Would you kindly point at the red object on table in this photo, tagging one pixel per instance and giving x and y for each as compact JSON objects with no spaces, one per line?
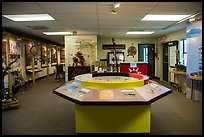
{"x":124,"y":67}
{"x":140,"y":77}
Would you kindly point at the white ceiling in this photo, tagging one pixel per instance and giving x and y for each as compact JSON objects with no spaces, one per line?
{"x":95,"y":17}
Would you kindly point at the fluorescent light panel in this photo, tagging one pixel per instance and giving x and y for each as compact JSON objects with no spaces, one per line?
{"x":29,"y":17}
{"x":139,"y":32}
{"x":57,"y":33}
{"x":164,"y":17}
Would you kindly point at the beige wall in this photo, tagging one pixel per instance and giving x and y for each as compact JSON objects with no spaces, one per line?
{"x":179,"y":35}
{"x":103,"y":54}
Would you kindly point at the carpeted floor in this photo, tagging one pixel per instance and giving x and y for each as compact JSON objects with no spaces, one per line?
{"x":43,"y":113}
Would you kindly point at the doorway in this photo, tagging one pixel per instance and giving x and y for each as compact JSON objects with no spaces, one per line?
{"x":170,"y":59}
{"x":146,"y":54}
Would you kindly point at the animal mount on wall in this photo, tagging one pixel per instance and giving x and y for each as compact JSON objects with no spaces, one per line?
{"x":132,"y":51}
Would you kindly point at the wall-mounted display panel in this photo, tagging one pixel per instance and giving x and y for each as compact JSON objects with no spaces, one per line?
{"x":43,"y":56}
{"x":62,"y":56}
{"x":53,"y":56}
{"x":28,"y":57}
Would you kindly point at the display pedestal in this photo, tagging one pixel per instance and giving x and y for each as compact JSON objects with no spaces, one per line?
{"x":113,"y":118}
{"x":120,"y":108}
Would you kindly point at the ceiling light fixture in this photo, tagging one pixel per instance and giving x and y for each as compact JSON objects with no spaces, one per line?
{"x":164,"y":17}
{"x":57,"y":33}
{"x":116,"y":5}
{"x":139,"y":32}
{"x":29,"y":17}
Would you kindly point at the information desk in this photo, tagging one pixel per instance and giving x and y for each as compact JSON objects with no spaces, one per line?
{"x":142,"y":67}
{"x":121,"y":109}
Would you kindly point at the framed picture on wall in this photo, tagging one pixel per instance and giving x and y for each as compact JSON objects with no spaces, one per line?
{"x":111,"y":57}
{"x":62,"y":56}
{"x":28,"y":57}
{"x":53,"y":56}
{"x":43,"y":56}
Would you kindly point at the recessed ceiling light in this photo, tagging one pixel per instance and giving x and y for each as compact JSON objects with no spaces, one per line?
{"x":139,"y":32}
{"x":57,"y":33}
{"x":164,"y":17}
{"x":29,"y":17}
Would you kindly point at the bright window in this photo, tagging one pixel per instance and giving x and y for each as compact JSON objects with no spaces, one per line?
{"x":145,"y":54}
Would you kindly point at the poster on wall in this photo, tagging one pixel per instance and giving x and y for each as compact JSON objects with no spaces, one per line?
{"x":43,"y":56}
{"x":172,"y":56}
{"x":15,"y":50}
{"x":62,"y":56}
{"x":28,"y":57}
{"x":194,"y":47}
{"x":53,"y":56}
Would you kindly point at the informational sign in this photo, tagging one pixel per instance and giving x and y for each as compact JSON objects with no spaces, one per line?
{"x":172,"y":56}
{"x":194,"y":47}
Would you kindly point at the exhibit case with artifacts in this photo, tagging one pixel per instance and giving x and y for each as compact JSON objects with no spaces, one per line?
{"x":112,"y":102}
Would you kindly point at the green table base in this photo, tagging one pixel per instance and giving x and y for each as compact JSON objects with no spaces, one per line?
{"x":113,"y":119}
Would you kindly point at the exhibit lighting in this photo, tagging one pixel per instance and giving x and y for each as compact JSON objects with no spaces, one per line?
{"x":139,"y":32}
{"x":29,"y":17}
{"x":57,"y":33}
{"x":164,"y":17}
